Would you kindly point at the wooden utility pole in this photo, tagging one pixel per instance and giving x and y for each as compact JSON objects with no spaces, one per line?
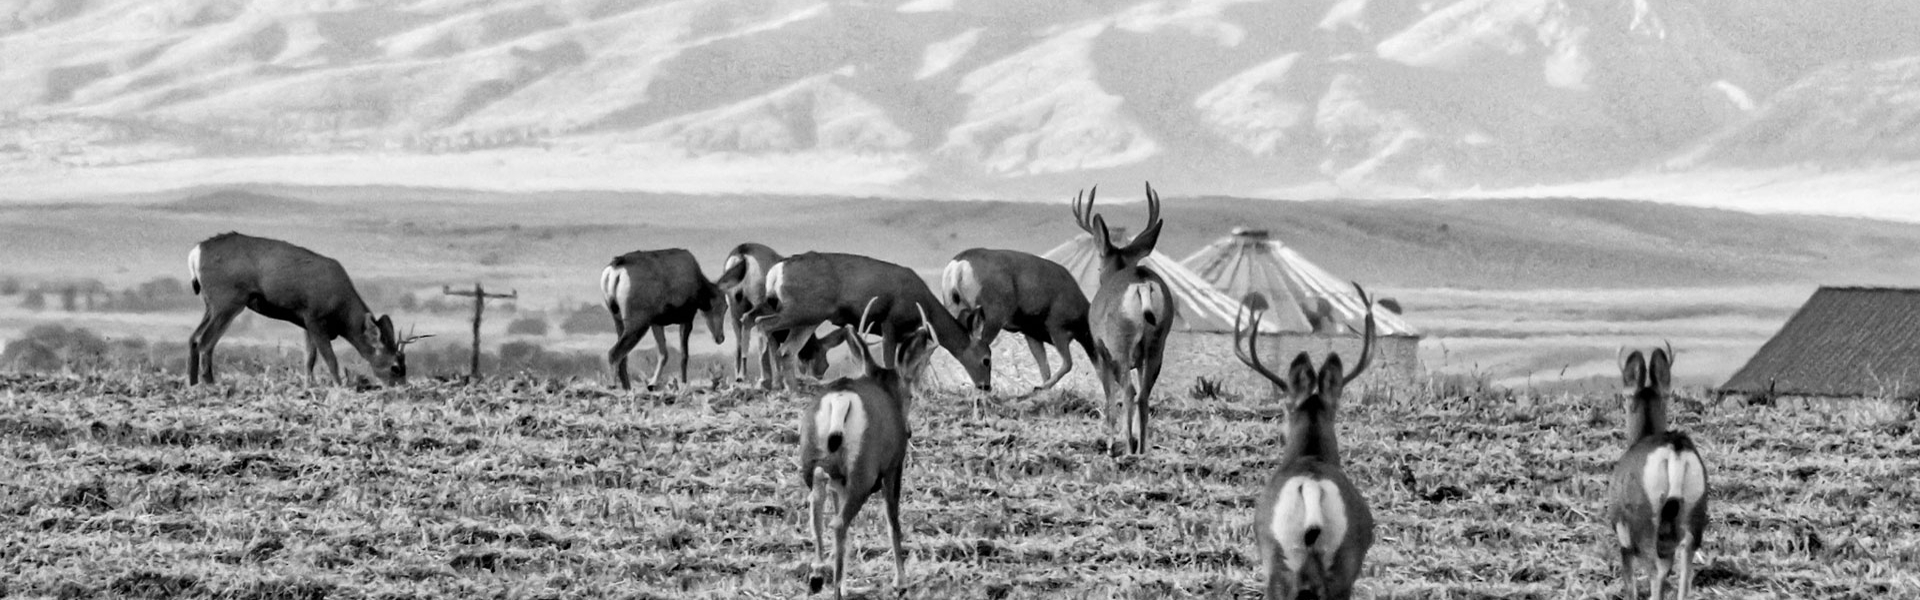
{"x":480,"y":296}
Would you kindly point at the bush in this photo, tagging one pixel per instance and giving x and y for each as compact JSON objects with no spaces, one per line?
{"x":530,"y":325}
{"x":52,"y":347}
{"x":589,"y":318}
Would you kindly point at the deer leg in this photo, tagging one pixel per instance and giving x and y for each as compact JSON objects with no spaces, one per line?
{"x":1280,"y":580}
{"x":617,"y":356}
{"x":313,"y":355}
{"x":686,"y":333}
{"x":1143,"y":402}
{"x":660,"y":362}
{"x":325,"y":348}
{"x":767,"y":344}
{"x":816,"y":503}
{"x":1062,"y":341}
{"x":1104,"y":367}
{"x":1628,"y":591}
{"x":890,"y":486}
{"x":851,"y":500}
{"x":193,"y":347}
{"x":788,"y":358}
{"x":1684,"y":554}
{"x":216,"y":327}
{"x":1038,"y":347}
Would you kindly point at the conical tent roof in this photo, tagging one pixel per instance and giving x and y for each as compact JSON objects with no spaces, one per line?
{"x":1250,"y":261}
{"x":1201,"y":308}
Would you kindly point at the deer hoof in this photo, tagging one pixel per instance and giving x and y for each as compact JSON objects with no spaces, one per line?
{"x":815,"y":583}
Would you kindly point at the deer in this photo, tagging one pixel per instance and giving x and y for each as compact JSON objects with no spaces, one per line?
{"x":744,"y":281}
{"x":651,"y":289}
{"x":1312,"y":523}
{"x":990,"y":291}
{"x":806,"y":290}
{"x":853,"y":442}
{"x":1130,"y":316}
{"x":1659,"y":487}
{"x":281,"y":281}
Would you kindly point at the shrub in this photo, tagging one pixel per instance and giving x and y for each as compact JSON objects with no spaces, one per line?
{"x":529,"y":325}
{"x":588,"y":318}
{"x":51,"y":347}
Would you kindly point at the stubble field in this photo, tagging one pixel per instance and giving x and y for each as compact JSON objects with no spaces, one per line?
{"x":130,"y":484}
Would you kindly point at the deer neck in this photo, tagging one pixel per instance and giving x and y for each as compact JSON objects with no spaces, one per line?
{"x":356,"y":329}
{"x":1310,"y":435}
{"x":952,"y":336}
{"x":1648,"y":417}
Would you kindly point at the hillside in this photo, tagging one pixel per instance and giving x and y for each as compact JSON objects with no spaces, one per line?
{"x":947,"y":98}
{"x":555,"y":242}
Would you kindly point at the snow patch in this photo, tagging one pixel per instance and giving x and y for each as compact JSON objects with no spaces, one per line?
{"x":1735,"y":94}
{"x":942,"y":55}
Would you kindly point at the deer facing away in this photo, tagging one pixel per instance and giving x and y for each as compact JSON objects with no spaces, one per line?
{"x":1130,"y":317}
{"x":1313,"y":524}
{"x":853,"y":442}
{"x":285,"y":282}
{"x":1659,"y":487}
{"x":745,"y":283}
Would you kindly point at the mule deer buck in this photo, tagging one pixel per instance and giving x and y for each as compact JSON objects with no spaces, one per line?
{"x":745,"y":284}
{"x":1130,"y":317}
{"x":281,"y":281}
{"x":853,"y":442}
{"x":1312,"y":522}
{"x":806,"y":290}
{"x":1659,"y":508}
{"x":994,"y":290}
{"x":651,"y":289}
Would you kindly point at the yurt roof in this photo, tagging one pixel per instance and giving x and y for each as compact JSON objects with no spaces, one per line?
{"x":1201,"y":308}
{"x":1250,"y":260}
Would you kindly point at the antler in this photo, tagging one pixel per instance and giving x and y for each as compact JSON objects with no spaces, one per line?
{"x":1254,"y":303}
{"x":1670,"y":356}
{"x":411,"y":338}
{"x":1366,"y":341}
{"x":1153,"y":206}
{"x":1083,"y":213}
{"x":856,"y":339}
{"x":927,"y":324}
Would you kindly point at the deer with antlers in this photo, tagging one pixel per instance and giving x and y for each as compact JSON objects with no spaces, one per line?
{"x":232,"y":272}
{"x":1659,"y":492}
{"x":806,"y":290}
{"x":853,"y":442}
{"x":647,"y":290}
{"x":745,"y":283}
{"x":1130,"y":317}
{"x":1313,"y":525}
{"x":994,"y":290}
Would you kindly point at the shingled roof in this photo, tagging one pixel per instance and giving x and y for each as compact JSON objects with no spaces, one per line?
{"x":1845,"y":341}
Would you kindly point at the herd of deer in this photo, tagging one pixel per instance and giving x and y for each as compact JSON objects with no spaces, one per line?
{"x":1312,"y":523}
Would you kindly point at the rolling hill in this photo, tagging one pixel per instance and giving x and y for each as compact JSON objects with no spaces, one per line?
{"x":952,"y":97}
{"x":555,"y":242}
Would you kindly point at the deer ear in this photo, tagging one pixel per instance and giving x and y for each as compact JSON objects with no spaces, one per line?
{"x":1300,"y":375}
{"x":1332,"y":380}
{"x":1100,"y":233}
{"x":1633,"y":374}
{"x":1143,"y":243}
{"x":1660,"y":372}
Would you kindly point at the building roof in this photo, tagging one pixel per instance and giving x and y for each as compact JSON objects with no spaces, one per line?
{"x":1845,"y":341}
{"x":1201,"y":308}
{"x":1249,"y":260}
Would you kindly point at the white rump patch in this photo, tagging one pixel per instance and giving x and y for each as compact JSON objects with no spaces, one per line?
{"x":732,"y":259}
{"x":843,"y":413}
{"x":959,"y":279}
{"x":193,"y":264}
{"x":614,"y":283}
{"x":1143,"y":299}
{"x":776,"y":279}
{"x":1670,"y":474}
{"x":1305,"y":503}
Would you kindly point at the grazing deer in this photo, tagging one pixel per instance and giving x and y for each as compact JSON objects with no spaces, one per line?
{"x":1659,"y":507}
{"x":1314,"y":526}
{"x":745,"y":284}
{"x":289,"y":283}
{"x":1130,"y":316}
{"x":994,"y":290}
{"x":853,"y":442}
{"x":651,"y":289}
{"x":806,"y":290}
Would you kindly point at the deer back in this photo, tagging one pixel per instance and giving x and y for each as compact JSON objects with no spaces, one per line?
{"x":660,"y":286}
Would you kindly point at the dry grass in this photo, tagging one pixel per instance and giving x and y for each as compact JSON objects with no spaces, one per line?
{"x":128,"y":483}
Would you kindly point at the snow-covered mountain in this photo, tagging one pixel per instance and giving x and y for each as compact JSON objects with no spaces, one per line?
{"x":1223,"y":96}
